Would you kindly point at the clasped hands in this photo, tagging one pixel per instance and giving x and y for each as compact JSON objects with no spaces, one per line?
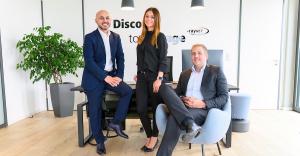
{"x":113,"y":81}
{"x":192,"y":102}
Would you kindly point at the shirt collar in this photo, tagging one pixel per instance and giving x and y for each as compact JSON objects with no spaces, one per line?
{"x":103,"y":33}
{"x":201,"y":70}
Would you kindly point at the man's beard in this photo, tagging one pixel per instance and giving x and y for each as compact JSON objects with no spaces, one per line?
{"x":104,"y":27}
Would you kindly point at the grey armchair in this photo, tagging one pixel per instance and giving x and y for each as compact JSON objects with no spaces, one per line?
{"x":213,"y":129}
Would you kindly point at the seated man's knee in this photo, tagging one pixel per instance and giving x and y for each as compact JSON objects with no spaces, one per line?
{"x":166,"y":92}
{"x":127,"y":91}
{"x":130,"y":91}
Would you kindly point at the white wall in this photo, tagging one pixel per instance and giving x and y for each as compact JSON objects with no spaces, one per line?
{"x":18,"y":17}
{"x":260,"y":39}
{"x":260,"y":51}
{"x":220,"y":17}
{"x":23,"y":99}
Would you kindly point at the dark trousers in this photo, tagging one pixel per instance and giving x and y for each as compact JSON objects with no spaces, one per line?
{"x":177,"y":114}
{"x":145,"y":96}
{"x":95,"y":98}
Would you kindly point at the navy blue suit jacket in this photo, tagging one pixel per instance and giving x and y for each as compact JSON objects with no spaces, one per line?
{"x":95,"y":59}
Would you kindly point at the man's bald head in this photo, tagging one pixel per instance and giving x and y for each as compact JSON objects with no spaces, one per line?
{"x":103,"y":20}
{"x":101,"y":12}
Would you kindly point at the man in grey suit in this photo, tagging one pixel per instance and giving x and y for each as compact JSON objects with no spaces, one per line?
{"x":199,"y":89}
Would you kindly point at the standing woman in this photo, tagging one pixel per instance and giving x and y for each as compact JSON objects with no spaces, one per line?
{"x":151,"y":65}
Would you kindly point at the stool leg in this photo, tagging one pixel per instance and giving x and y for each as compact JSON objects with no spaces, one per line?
{"x":80,"y":126}
{"x":219,"y":148}
{"x":202,"y":147}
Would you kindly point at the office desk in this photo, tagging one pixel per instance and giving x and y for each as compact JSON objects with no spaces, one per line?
{"x":173,"y":84}
{"x":110,"y":99}
{"x":232,"y":87}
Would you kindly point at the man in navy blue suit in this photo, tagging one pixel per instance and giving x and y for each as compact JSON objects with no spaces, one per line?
{"x":104,"y":70}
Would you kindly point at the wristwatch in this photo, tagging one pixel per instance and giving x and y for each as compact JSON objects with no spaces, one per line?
{"x":160,"y":78}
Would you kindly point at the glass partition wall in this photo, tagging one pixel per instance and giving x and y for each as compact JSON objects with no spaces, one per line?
{"x":297,"y":68}
{"x":3,"y":120}
{"x":297,"y":82}
{"x":297,"y":103}
{"x":297,"y":73}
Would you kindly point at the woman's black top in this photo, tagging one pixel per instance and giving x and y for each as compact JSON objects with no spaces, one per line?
{"x":150,"y":57}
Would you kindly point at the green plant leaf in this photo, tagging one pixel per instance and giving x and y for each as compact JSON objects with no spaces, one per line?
{"x":48,"y":56}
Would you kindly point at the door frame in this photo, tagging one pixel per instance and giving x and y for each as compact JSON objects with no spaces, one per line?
{"x":2,"y":84}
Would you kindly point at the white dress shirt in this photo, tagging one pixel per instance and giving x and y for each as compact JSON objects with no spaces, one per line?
{"x":105,"y":37}
{"x":194,"y":84}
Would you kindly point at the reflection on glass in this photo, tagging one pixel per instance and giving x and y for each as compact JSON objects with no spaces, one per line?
{"x":1,"y":104}
{"x":297,"y":103}
{"x":1,"y":95}
{"x":297,"y":78}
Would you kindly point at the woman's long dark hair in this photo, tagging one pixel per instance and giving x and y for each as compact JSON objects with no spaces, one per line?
{"x":156,"y":29}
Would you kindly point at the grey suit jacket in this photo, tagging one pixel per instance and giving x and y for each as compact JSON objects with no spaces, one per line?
{"x":213,"y":86}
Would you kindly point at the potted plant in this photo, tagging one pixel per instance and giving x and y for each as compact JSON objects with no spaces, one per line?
{"x":49,"y":56}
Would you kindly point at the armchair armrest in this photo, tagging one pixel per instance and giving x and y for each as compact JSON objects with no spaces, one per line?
{"x":161,"y":117}
{"x":215,"y":125}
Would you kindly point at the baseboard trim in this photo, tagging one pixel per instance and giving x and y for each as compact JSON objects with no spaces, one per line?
{"x":286,"y":108}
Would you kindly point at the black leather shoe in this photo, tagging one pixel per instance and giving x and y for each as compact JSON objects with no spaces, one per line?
{"x":101,"y":149}
{"x":117,"y":128}
{"x":146,"y":149}
{"x":192,"y":131}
